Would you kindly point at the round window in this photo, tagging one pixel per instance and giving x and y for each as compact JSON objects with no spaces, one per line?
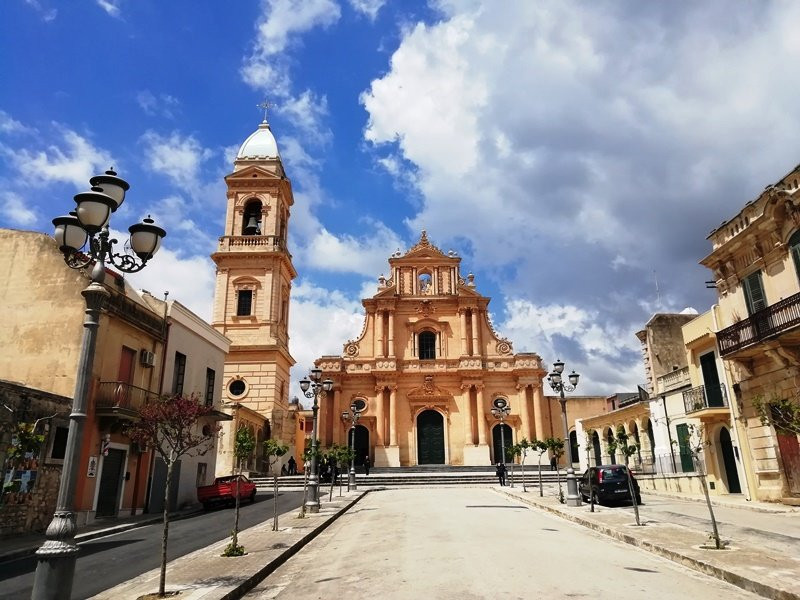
{"x":236,"y":387}
{"x":360,"y":404}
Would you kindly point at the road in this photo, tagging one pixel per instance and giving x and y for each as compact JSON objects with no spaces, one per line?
{"x":472,"y":543}
{"x":108,"y":561}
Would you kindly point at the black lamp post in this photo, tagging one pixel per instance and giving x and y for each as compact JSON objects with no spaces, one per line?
{"x":558,"y":385}
{"x":313,"y":388}
{"x":83,"y":238}
{"x":353,"y":416}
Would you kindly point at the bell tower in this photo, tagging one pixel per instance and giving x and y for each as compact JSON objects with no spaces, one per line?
{"x":253,"y":282}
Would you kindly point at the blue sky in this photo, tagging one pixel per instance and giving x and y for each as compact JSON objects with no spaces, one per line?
{"x":572,"y":153}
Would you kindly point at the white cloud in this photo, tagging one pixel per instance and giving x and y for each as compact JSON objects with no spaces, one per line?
{"x":14,"y":209}
{"x":48,"y":14}
{"x":110,"y":6}
{"x":307,"y":112}
{"x":369,"y":8}
{"x":177,"y":156}
{"x":348,"y":254}
{"x":10,"y":125}
{"x":321,"y":320}
{"x":280,"y":23}
{"x":162,"y":104}
{"x":74,"y":161}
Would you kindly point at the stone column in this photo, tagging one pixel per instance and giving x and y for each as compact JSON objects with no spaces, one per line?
{"x":379,"y":333}
{"x":336,"y":436}
{"x":466,"y":395}
{"x":463,"y":317}
{"x":380,"y":426}
{"x":475,"y":347}
{"x":524,"y":411}
{"x":391,"y":333}
{"x":538,"y":412}
{"x":393,"y":415}
{"x":481,"y":414}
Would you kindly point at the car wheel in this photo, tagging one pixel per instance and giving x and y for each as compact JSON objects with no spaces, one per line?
{"x":595,"y":498}
{"x":638,"y":499}
{"x":253,"y":497}
{"x":206,"y":505}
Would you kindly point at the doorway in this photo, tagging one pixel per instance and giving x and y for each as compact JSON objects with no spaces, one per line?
{"x":110,"y":483}
{"x":360,"y":443}
{"x":430,"y":438}
{"x":729,"y":462}
{"x":708,"y":365}
{"x":507,"y":437}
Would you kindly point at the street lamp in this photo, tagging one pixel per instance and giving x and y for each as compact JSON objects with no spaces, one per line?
{"x":312,"y":388}
{"x":558,"y":385}
{"x":500,"y":410}
{"x":353,"y":416}
{"x":83,"y":238}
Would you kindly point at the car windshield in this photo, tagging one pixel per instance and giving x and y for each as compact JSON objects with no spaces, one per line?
{"x":614,"y":473}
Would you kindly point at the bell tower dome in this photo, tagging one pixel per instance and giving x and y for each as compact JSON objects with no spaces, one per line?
{"x":253,"y":281}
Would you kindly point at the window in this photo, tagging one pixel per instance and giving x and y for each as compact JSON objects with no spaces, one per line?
{"x":237,"y":387}
{"x":210,"y":377}
{"x":178,"y":374}
{"x":754,"y":293}
{"x":59,"y":449}
{"x":794,"y":250}
{"x":427,"y":345}
{"x":244,"y":303}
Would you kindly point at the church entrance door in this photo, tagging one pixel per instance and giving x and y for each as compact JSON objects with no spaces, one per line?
{"x":361,"y":443}
{"x":430,"y":438}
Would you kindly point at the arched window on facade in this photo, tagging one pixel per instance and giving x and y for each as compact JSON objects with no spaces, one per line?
{"x":427,"y":345}
{"x":794,"y":250}
{"x":425,"y":283}
{"x":251,"y":222}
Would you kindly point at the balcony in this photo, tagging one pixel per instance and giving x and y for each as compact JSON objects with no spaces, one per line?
{"x":703,"y":398}
{"x":766,"y":323}
{"x":119,"y":399}
{"x":673,"y":380}
{"x":255,"y":243}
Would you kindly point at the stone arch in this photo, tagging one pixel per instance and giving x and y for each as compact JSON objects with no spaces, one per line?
{"x":252,"y":216}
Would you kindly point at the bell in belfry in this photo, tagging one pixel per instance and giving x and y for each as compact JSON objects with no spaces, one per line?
{"x":252,"y":227}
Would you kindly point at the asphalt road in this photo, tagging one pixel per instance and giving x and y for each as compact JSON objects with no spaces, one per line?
{"x":470,"y":544}
{"x":108,"y":561}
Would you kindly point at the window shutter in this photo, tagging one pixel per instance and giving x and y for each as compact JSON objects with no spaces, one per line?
{"x":754,"y":293}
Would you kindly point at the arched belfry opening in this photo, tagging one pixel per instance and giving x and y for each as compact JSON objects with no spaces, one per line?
{"x":251,"y":221}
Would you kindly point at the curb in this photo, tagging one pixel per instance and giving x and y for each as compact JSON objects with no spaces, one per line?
{"x":781,"y":509}
{"x":91,"y":535}
{"x":736,"y":579}
{"x":279,"y":560}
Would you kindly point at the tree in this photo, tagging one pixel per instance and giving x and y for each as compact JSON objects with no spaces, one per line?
{"x":622,"y":444}
{"x":521,"y":449}
{"x":540,"y":447}
{"x":781,"y":413}
{"x":341,"y":455}
{"x":556,"y":447}
{"x":243,"y":445}
{"x":697,"y":443}
{"x":273,"y":450}
{"x":588,"y":434}
{"x":170,"y":425}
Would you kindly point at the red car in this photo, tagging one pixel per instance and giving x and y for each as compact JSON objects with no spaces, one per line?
{"x":224,"y":489}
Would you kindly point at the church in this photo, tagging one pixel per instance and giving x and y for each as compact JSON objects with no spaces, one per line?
{"x":427,"y":369}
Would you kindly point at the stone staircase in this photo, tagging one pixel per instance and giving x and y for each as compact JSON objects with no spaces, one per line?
{"x":423,"y":475}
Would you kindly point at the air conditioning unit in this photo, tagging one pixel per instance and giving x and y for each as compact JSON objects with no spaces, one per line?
{"x":147,"y":358}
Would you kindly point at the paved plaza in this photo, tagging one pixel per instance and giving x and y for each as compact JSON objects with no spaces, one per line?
{"x":471,"y":543}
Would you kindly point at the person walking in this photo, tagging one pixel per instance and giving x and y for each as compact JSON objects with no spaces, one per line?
{"x":292,"y":466}
{"x":366,"y":463}
{"x":501,"y":473}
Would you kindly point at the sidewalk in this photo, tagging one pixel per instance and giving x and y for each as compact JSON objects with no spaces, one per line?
{"x":205,"y":574}
{"x":745,"y":563}
{"x":25,"y":545}
{"x":731,"y":501}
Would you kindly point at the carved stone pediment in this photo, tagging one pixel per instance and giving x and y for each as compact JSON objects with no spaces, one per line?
{"x":429,"y":396}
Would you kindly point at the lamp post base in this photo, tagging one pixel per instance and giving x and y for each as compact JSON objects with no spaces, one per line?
{"x":351,"y":479}
{"x":312,"y":503}
{"x":573,"y":497}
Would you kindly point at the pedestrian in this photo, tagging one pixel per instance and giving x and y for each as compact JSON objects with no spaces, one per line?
{"x":553,"y":463}
{"x":501,"y":473}
{"x":366,"y":463}
{"x":284,"y":470}
{"x":292,"y":466}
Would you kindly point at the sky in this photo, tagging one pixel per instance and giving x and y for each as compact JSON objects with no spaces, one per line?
{"x":575,"y":154}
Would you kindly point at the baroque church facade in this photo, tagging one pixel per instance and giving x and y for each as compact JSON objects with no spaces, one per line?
{"x":426,"y":369}
{"x":251,"y":297}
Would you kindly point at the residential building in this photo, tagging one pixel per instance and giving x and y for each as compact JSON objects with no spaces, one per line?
{"x":755,"y":261}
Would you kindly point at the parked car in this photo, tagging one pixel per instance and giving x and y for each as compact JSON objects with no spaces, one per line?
{"x":224,"y":490}
{"x":608,"y":483}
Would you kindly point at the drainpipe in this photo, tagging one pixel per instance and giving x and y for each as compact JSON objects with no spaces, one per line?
{"x":733,"y":405}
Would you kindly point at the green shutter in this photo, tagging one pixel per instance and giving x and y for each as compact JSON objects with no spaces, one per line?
{"x":754,"y":293}
{"x":794,"y":250}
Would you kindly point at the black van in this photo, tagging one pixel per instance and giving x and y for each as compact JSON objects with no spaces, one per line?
{"x":608,"y":483}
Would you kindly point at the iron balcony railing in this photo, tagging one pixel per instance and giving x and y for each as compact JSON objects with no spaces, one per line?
{"x":702,"y":397}
{"x":121,"y":395}
{"x":767,"y":322}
